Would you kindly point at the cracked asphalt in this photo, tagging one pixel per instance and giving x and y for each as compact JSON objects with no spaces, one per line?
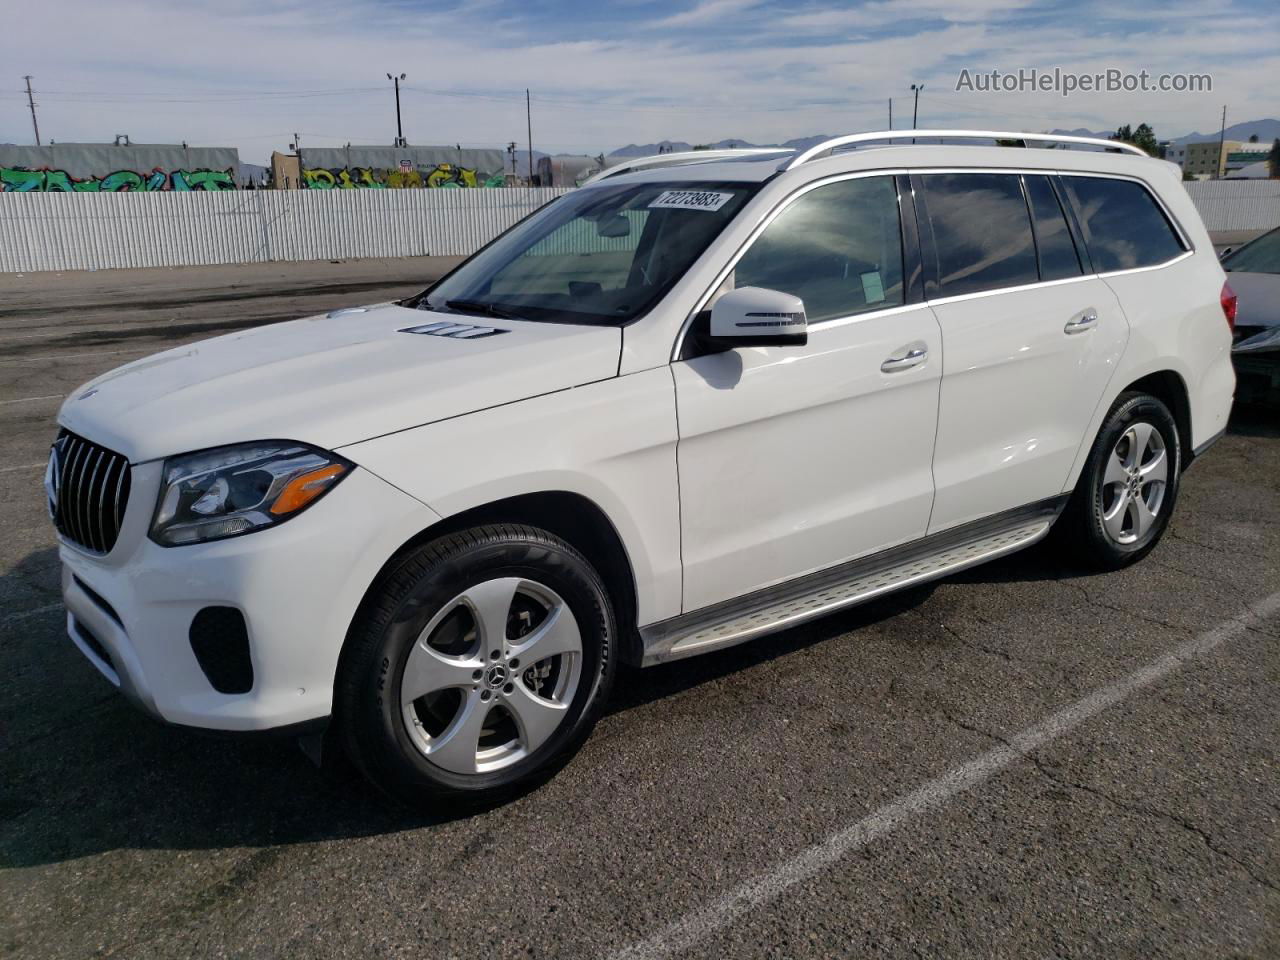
{"x":1149,"y":829}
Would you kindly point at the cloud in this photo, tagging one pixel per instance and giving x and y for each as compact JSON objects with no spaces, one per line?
{"x":707,"y":11}
{"x":608,"y":74}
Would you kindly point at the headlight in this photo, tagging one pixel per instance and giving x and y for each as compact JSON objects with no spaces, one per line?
{"x":228,"y":491}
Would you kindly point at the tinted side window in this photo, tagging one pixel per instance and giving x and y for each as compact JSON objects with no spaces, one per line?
{"x":981,"y":231}
{"x":1054,"y":246}
{"x":1123,"y":225}
{"x":838,"y":248}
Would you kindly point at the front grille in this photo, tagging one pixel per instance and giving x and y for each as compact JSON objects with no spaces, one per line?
{"x":90,"y":492}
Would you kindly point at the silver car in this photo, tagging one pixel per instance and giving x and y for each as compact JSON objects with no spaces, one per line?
{"x":1255,"y":278}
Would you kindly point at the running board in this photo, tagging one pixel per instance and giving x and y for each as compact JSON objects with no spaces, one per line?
{"x":806,"y":598}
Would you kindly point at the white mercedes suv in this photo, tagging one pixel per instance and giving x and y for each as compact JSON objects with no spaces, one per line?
{"x":694,"y":402}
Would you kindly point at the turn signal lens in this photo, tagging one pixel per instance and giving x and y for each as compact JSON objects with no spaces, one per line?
{"x":1228,"y":301}
{"x":301,"y":490}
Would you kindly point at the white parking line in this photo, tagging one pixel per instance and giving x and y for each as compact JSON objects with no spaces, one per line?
{"x":52,"y":396}
{"x":25,"y":614}
{"x":76,"y":356}
{"x":25,"y":466}
{"x":724,"y":910}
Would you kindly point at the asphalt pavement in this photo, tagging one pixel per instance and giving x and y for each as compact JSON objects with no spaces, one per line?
{"x":1020,"y":761}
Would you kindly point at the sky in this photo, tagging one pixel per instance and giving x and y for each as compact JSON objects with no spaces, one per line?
{"x":604,"y":74}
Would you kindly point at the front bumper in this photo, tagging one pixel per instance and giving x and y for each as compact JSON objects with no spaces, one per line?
{"x":297,"y":586}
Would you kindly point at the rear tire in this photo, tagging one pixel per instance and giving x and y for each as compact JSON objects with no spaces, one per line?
{"x":1127,"y":490}
{"x":477,"y":667}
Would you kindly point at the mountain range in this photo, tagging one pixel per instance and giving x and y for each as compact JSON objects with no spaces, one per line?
{"x":1266,"y":131}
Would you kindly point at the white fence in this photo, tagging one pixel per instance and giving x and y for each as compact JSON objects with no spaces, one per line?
{"x":1230,"y":205}
{"x":81,"y":231}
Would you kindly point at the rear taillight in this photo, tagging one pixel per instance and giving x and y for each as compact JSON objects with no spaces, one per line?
{"x":1228,"y":301}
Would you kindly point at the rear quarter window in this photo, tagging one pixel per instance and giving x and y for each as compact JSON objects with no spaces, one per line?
{"x":1124,"y":226}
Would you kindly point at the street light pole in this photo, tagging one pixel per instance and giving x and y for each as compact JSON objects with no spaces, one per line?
{"x":400,"y":141}
{"x":528,"y":116}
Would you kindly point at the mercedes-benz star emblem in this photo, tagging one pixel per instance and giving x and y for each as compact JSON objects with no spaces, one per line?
{"x":53,"y":477}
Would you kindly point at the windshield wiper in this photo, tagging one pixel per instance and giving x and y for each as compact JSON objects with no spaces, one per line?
{"x":480,"y":307}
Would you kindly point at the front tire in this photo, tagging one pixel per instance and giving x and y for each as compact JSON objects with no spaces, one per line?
{"x":477,"y":667}
{"x":1125,"y":497}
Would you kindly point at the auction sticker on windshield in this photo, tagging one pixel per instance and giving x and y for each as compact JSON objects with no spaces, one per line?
{"x":691,"y":200}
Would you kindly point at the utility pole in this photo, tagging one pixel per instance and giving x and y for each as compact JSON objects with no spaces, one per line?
{"x":528,"y":116}
{"x":32,"y":104}
{"x":400,"y":140}
{"x":915,"y":110}
{"x":1221,"y":144}
{"x":891,"y":113}
{"x":511,"y":151}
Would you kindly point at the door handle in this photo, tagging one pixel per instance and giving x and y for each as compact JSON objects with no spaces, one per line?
{"x":912,"y":358}
{"x":1086,"y":320}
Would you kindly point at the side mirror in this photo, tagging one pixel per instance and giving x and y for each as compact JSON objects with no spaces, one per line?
{"x":756,"y":317}
{"x":1224,"y":251}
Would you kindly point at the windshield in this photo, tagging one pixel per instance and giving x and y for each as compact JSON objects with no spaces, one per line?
{"x":1260,"y":256}
{"x":602,"y":255}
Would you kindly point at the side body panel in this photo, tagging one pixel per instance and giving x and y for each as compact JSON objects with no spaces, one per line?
{"x":613,"y":443}
{"x":1176,"y":324}
{"x":1018,"y":393}
{"x":793,"y":459}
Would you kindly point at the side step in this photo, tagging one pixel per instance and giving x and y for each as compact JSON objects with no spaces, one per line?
{"x":817,"y":595}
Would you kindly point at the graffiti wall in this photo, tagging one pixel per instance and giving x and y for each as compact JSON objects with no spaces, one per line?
{"x":22,"y":180}
{"x":442,"y":175}
{"x":399,"y":168}
{"x":106,"y":168}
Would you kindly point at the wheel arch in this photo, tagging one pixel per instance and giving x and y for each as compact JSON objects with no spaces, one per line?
{"x":1164,"y":382}
{"x":1169,"y":388}
{"x":574,"y":518}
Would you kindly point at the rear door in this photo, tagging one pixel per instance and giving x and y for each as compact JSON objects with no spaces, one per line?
{"x":793,"y":459}
{"x":1030,"y":336}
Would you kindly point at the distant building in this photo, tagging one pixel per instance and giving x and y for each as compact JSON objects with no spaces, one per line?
{"x":286,"y":171}
{"x":376,"y":167}
{"x":1258,"y":170}
{"x":1246,"y":155}
{"x":566,"y":170}
{"x":119,"y":167}
{"x":1174,"y":153}
{"x":1208,"y":160}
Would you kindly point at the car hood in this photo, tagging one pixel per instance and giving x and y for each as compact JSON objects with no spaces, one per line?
{"x":1257,"y":298}
{"x":332,"y":380}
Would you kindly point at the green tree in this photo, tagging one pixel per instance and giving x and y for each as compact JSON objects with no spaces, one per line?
{"x":1273,"y":160}
{"x":1144,"y":138}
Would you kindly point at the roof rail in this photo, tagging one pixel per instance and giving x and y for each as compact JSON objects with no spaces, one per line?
{"x":828,"y":145}
{"x":675,"y":159}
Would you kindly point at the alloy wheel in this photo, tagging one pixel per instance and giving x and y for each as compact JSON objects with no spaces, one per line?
{"x":1134,"y":483}
{"x":491,"y":676}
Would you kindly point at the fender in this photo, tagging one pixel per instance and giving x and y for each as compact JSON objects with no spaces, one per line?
{"x":612,"y":442}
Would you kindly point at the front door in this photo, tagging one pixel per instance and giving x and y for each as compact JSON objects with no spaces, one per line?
{"x":794,"y":459}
